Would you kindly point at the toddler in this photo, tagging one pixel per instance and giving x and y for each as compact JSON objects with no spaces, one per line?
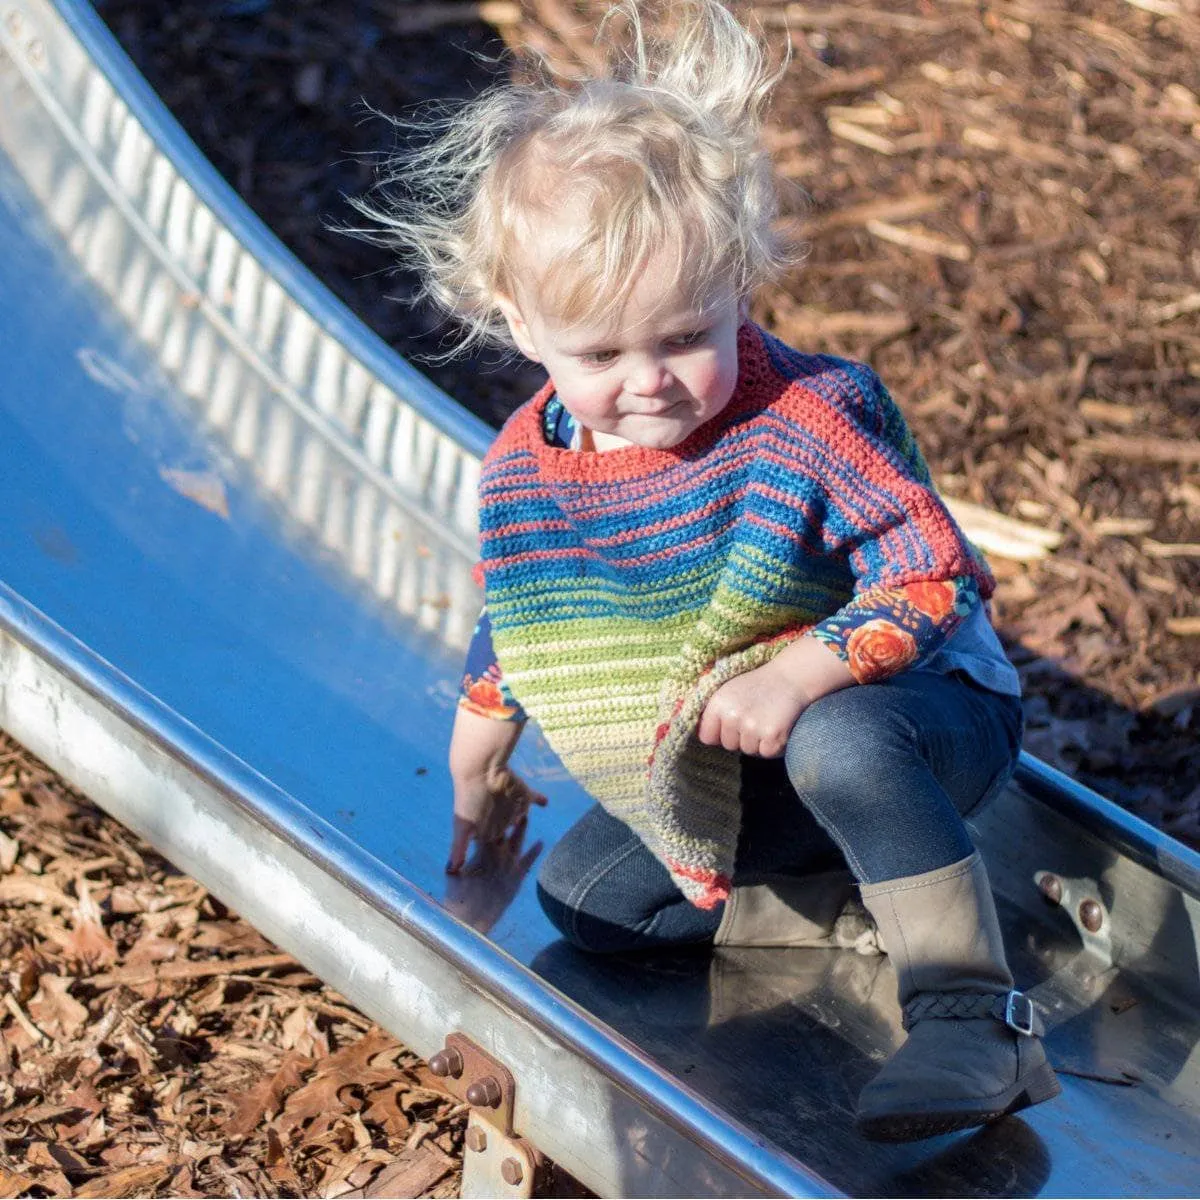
{"x":717,"y":572}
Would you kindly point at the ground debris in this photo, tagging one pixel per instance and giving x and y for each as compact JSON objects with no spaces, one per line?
{"x":130,"y":1070}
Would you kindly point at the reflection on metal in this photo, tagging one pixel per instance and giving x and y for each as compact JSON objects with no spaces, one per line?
{"x":343,"y":454}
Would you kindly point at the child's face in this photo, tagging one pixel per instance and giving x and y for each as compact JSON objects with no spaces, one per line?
{"x":663,"y":370}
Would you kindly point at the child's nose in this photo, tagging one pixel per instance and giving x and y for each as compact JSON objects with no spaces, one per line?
{"x":649,"y":378}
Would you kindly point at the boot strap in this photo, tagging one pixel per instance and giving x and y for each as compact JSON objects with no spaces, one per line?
{"x":1013,"y":1009}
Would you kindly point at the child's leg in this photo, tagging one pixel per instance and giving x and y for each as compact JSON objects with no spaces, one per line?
{"x":605,"y":892}
{"x":889,"y":769}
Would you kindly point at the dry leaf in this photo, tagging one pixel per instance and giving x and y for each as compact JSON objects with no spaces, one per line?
{"x":131,"y":1181}
{"x":151,"y":948}
{"x":279,"y":1166}
{"x":300,"y":1033}
{"x":10,"y":850}
{"x":266,"y":1096}
{"x":87,"y":942}
{"x":384,"y":1110}
{"x":13,"y":1184}
{"x":56,"y":1012}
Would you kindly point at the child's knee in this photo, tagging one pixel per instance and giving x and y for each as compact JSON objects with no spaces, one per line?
{"x":816,"y":755}
{"x":577,"y":896}
{"x":841,"y":742}
{"x":584,"y":929}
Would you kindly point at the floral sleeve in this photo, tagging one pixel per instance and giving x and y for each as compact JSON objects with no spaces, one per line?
{"x":483,"y":689}
{"x":886,"y":630}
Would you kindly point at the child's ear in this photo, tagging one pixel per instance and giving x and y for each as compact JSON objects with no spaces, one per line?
{"x":517,"y":326}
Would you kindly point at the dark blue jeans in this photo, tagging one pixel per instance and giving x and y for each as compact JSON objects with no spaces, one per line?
{"x":878,"y":777}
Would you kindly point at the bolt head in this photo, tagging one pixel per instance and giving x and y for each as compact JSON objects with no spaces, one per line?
{"x":511,"y":1172}
{"x":484,"y":1093}
{"x":476,"y":1139}
{"x":447,"y":1062}
{"x":1091,"y":915}
{"x":1051,"y":888}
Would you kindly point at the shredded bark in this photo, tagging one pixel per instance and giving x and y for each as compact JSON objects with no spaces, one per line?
{"x":153,"y":1044}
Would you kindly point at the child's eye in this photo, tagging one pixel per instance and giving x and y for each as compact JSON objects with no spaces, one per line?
{"x":693,"y":337}
{"x":598,"y":358}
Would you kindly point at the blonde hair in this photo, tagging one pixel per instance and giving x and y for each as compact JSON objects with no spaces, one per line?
{"x":660,"y":150}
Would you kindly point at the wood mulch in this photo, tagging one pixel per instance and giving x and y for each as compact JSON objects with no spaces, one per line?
{"x":1003,"y":217}
{"x":153,"y":1044}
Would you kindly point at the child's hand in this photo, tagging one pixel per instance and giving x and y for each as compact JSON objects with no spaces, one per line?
{"x":489,"y":809}
{"x":490,"y":800}
{"x":755,"y":712}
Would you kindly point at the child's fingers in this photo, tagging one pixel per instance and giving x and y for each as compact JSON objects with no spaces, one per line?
{"x":521,"y":793}
{"x":529,"y":857}
{"x":516,"y":835}
{"x":460,"y":843}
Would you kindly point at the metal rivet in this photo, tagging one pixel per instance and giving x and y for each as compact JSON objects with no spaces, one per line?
{"x":484,"y":1093}
{"x":476,"y":1139}
{"x":1091,"y":915}
{"x":447,"y":1062}
{"x":1051,"y":888}
{"x":510,"y":1172}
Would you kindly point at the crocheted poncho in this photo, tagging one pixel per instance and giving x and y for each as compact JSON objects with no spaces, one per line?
{"x":625,"y":587}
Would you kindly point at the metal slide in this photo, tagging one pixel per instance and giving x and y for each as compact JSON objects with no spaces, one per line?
{"x":236,"y":535}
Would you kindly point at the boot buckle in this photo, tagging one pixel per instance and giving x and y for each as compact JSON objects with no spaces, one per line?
{"x":1019,"y":1013}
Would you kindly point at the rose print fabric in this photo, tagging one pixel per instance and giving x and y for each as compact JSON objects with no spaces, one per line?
{"x":483,"y":689}
{"x":887,"y":630}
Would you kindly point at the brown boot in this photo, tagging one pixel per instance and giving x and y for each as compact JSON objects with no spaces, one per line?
{"x":819,"y":911}
{"x":974,"y":1048}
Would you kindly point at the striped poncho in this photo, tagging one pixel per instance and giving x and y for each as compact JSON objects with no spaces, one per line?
{"x":625,"y":587}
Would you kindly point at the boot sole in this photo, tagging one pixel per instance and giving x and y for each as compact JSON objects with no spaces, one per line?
{"x":1039,"y":1085}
